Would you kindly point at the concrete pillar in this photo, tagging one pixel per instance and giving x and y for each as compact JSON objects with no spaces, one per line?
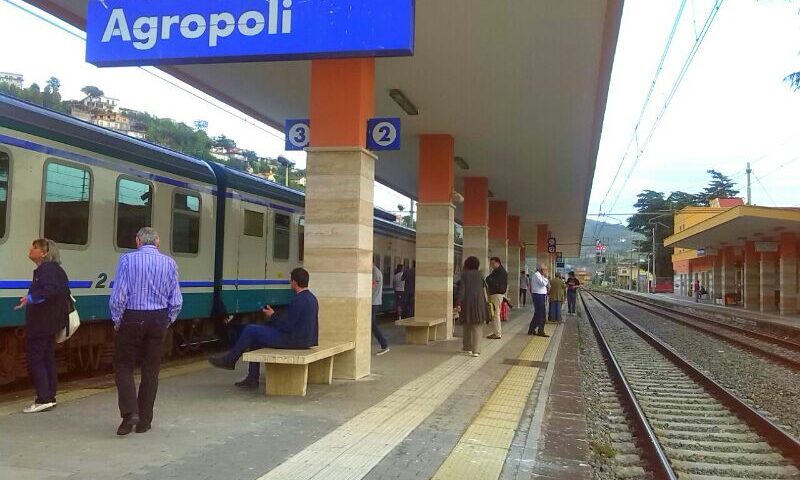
{"x":716,"y":277}
{"x":476,"y":217}
{"x":542,"y":256}
{"x":498,"y":231}
{"x":769,"y":281}
{"x":339,"y":207}
{"x":435,"y":215}
{"x":788,"y":274}
{"x":728,"y":255}
{"x":752,"y":265}
{"x":514,"y":264}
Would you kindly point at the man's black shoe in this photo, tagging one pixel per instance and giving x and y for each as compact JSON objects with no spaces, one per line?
{"x":142,"y":427}
{"x":542,"y":334}
{"x":220,"y":362}
{"x":127,"y":425}
{"x":247,"y":384}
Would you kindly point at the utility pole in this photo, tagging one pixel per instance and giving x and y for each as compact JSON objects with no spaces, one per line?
{"x":652,"y":289}
{"x":749,"y":189}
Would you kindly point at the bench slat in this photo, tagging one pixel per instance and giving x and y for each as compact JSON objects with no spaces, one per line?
{"x":297,"y":357}
{"x":419,"y":322}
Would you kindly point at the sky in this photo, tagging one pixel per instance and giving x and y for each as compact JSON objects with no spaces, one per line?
{"x":731,"y":107}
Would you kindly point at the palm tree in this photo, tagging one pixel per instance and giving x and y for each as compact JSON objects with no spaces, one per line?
{"x":793,"y":79}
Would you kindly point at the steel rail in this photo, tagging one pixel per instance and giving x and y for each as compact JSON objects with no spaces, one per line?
{"x":773,"y":356}
{"x":772,"y":433}
{"x":652,"y":448}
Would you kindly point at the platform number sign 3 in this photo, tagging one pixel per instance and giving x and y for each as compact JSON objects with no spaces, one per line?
{"x":298,"y":133}
{"x":383,"y":134}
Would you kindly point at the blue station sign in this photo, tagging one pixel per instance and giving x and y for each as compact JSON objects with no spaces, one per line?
{"x":159,"y":32}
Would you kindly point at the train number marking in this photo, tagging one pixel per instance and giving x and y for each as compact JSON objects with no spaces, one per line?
{"x":101,"y":281}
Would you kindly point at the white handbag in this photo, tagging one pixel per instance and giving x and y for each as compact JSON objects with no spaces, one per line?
{"x":72,"y":326}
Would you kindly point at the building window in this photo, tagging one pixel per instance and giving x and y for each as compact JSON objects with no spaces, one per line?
{"x":186,"y":223}
{"x":134,"y":210}
{"x":253,"y":223}
{"x":5,"y":173}
{"x":281,"y":239}
{"x":67,"y":199}
{"x":301,"y":239}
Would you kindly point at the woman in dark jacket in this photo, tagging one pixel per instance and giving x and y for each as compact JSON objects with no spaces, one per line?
{"x":47,"y":307}
{"x":471,"y":305}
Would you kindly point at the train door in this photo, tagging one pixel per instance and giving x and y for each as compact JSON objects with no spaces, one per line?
{"x":252,"y":258}
{"x":281,"y":248}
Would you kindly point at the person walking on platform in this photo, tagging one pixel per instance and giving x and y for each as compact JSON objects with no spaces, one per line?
{"x":523,"y":288}
{"x":497,"y":284}
{"x":696,"y":291}
{"x":297,"y":327}
{"x":47,"y":306}
{"x":557,"y":293}
{"x":572,"y":292}
{"x":471,"y":306}
{"x":409,"y":285}
{"x":377,"y":301}
{"x":539,"y":285}
{"x":399,"y":287}
{"x":145,"y":300}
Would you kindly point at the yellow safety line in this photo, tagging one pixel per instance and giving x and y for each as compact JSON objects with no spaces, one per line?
{"x":353,"y":449}
{"x":79,"y":393}
{"x":484,"y":446}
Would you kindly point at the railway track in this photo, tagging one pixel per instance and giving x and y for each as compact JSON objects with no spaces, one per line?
{"x":776,"y":349}
{"x":687,"y":425}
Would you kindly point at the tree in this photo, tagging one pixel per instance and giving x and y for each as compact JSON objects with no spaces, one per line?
{"x":223,"y":142}
{"x":720,"y":186}
{"x":793,"y":79}
{"x":52,"y":97}
{"x":92,"y":91}
{"x":201,"y":125}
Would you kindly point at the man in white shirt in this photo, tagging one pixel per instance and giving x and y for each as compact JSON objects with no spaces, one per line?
{"x":539,"y":284}
{"x":377,"y":301}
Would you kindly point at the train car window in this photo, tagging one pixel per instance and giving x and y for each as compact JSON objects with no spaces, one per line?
{"x":253,"y":223}
{"x":186,"y":223}
{"x":67,"y":202}
{"x":387,"y":270}
{"x":134,"y":210}
{"x":5,"y":173}
{"x":301,"y":239}
{"x":405,"y":264}
{"x":281,"y":237}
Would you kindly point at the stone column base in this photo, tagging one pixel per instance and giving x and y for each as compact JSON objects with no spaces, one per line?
{"x":433,"y":297}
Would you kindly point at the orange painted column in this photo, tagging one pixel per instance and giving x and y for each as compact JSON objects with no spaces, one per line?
{"x":513,"y":239}
{"x":788,"y":274}
{"x":435,"y":234}
{"x":728,"y":255}
{"x":752,"y":267}
{"x":498,"y":230}
{"x":542,"y":255}
{"x":339,"y":207}
{"x":476,"y":220}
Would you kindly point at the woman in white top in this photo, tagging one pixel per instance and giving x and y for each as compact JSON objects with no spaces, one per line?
{"x":399,"y":287}
{"x":523,"y":288}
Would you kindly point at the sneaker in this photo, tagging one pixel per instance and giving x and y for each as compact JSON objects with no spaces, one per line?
{"x":474,"y":354}
{"x":466,"y":352}
{"x":383,"y":351}
{"x":220,"y":362}
{"x":247,"y":384}
{"x":494,"y":337}
{"x":39,"y":407}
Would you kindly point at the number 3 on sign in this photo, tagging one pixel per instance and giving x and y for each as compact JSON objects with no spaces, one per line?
{"x":298,"y":132}
{"x":383,"y":134}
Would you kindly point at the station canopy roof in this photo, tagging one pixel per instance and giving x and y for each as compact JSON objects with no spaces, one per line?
{"x":736,"y":225}
{"x":521,"y":85}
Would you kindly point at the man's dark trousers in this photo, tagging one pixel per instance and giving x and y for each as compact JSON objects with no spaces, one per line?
{"x":140,"y":338}
{"x":539,"y":308}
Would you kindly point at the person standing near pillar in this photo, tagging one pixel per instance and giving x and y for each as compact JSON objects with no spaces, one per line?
{"x":497,"y":284}
{"x":471,"y":306}
{"x":377,"y":301}
{"x":557,"y":294}
{"x":399,"y":287}
{"x":409,"y":285}
{"x":144,"y":302}
{"x":539,"y":284}
{"x":572,"y":292}
{"x":523,"y":288}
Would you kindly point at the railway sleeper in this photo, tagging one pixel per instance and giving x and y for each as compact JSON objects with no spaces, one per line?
{"x":710,"y":437}
{"x":689,"y":425}
{"x":704,"y":420}
{"x":746,"y":471}
{"x":740,"y":448}
{"x":728,"y":458}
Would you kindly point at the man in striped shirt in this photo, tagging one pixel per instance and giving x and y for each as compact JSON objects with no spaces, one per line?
{"x":145,"y":300}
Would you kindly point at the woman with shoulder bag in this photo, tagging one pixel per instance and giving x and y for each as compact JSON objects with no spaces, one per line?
{"x":472,"y":306}
{"x":47,"y":306}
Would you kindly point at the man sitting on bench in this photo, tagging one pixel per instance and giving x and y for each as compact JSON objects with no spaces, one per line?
{"x":295,"y":328}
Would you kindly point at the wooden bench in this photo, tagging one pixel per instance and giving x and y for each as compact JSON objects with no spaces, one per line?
{"x":421,"y":330}
{"x":288,"y":372}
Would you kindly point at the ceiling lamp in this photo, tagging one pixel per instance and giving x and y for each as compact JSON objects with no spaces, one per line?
{"x":400,"y":98}
{"x":462,"y":164}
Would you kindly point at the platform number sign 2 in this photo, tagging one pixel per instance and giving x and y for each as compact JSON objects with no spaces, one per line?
{"x":298,"y":133}
{"x":551,"y":245}
{"x":383,"y":134}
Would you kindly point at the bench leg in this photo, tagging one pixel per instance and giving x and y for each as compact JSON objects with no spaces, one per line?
{"x":321,"y":371}
{"x":417,"y":335}
{"x":433,"y":333}
{"x":286,"y":379}
{"x":441,"y":331}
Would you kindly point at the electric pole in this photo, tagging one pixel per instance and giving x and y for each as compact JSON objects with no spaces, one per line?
{"x":749,"y":189}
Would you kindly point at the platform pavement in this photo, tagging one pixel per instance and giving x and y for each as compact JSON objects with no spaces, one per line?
{"x":205,"y":428}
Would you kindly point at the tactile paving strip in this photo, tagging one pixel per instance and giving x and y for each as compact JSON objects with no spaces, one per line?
{"x":482,"y":450}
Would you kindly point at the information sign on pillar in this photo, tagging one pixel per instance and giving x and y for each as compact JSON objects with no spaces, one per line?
{"x":551,"y":245}
{"x":559,"y":260}
{"x":383,"y":134}
{"x":298,"y":133}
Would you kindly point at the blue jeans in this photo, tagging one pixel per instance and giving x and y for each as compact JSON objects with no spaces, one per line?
{"x":377,"y":331}
{"x":572,"y":299}
{"x":555,"y":311}
{"x":539,"y":307}
{"x":252,"y":337}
